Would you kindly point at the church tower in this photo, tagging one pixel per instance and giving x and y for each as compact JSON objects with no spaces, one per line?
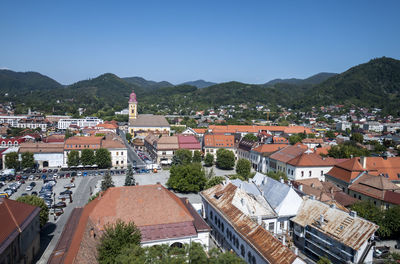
{"x":132,"y":106}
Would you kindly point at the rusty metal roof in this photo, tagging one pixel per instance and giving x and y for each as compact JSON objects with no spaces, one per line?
{"x":339,"y":225}
{"x":269,"y":247}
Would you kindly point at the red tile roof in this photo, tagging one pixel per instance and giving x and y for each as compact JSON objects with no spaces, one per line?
{"x":188,"y":142}
{"x":13,"y":215}
{"x":269,"y":148}
{"x":312,"y":160}
{"x":288,"y":153}
{"x":219,"y":141}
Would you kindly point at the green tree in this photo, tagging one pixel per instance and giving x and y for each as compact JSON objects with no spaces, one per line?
{"x":107,"y":181}
{"x":295,"y":138}
{"x":187,"y":178}
{"x":73,"y":158}
{"x":103,"y":158}
{"x":367,"y":210}
{"x":129,"y":179}
{"x":392,"y":220}
{"x":197,"y":156}
{"x":182,"y":156}
{"x":209,"y":160}
{"x":347,"y":150}
{"x":357,"y":137}
{"x":330,"y":134}
{"x":277,"y":175}
{"x":11,"y":160}
{"x":243,"y":167}
{"x":27,"y":160}
{"x":251,"y":137}
{"x":217,"y":257}
{"x":115,"y":238}
{"x":214,"y":181}
{"x":68,"y":134}
{"x":87,"y":157}
{"x":128,"y":137}
{"x":225,"y":159}
{"x":36,"y":201}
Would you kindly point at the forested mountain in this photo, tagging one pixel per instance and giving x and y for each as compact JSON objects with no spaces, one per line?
{"x":146,"y":84}
{"x":199,"y":83}
{"x":315,"y":79}
{"x":372,"y":84}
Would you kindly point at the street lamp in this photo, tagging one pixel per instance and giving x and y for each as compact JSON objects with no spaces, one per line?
{"x":54,"y":206}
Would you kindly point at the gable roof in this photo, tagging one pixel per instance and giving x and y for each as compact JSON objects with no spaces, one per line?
{"x":149,"y":120}
{"x":188,"y":142}
{"x":14,"y":217}
{"x":269,"y":148}
{"x":308,"y":159}
{"x":288,"y":153}
{"x":219,"y":140}
{"x":339,"y":225}
{"x":268,"y":247}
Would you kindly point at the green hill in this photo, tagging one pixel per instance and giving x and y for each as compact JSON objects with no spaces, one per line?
{"x":146,"y":84}
{"x":372,"y":84}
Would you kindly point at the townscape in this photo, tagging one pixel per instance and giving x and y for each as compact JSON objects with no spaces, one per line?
{"x":200,"y":132}
{"x":268,"y":193}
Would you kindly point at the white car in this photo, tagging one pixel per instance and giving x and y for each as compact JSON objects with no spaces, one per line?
{"x":31,"y":178}
{"x":28,"y":188}
{"x":69,"y":185}
{"x":79,"y":173}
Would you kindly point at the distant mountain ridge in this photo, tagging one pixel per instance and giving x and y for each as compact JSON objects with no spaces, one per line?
{"x":199,"y":83}
{"x":372,"y":84}
{"x":147,"y":84}
{"x":314,"y":79}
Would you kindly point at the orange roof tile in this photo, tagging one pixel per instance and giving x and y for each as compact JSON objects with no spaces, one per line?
{"x":219,"y":140}
{"x":312,"y":160}
{"x":268,"y":148}
{"x":288,"y":153}
{"x":200,"y":130}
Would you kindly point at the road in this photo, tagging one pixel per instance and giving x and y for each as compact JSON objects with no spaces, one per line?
{"x":50,"y":234}
{"x":133,"y":158}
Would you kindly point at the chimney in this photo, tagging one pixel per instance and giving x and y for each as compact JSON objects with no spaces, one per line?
{"x":353,"y":213}
{"x":321,"y":219}
{"x":300,"y":187}
{"x":333,"y":206}
{"x":363,"y":161}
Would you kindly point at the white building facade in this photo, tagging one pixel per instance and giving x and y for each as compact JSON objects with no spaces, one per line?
{"x":86,"y":122}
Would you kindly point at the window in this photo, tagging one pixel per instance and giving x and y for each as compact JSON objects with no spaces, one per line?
{"x":211,"y":215}
{"x":282,"y":225}
{"x":271,"y":227}
{"x":122,"y":162}
{"x":309,"y":174}
{"x":359,"y":197}
{"x":117,"y":153}
{"x":242,"y":251}
{"x":322,"y":173}
{"x":122,"y":153}
{"x":302,"y":173}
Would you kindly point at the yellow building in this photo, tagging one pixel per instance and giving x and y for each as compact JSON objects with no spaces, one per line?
{"x":141,"y":125}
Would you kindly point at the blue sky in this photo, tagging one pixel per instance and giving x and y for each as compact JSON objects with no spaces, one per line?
{"x":177,"y":41}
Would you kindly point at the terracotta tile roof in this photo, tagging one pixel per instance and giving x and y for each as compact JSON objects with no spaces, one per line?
{"x":323,"y":150}
{"x":200,"y":130}
{"x":288,"y":153}
{"x":83,"y":142}
{"x":392,"y":197}
{"x":157,"y":212}
{"x":256,"y":129}
{"x":219,"y":140}
{"x":344,"y":199}
{"x":312,"y":140}
{"x":312,"y":160}
{"x":188,"y":142}
{"x":113,"y":142}
{"x":154,"y":205}
{"x":280,"y":140}
{"x":54,"y":138}
{"x":107,"y":126}
{"x":349,"y":170}
{"x":151,"y":138}
{"x":167,"y":143}
{"x":269,"y":148}
{"x":269,"y":247}
{"x":40,"y":147}
{"x":374,"y":186}
{"x":14,"y":217}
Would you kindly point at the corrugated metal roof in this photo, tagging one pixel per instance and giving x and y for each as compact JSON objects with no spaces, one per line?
{"x":270,"y":248}
{"x":339,"y":225}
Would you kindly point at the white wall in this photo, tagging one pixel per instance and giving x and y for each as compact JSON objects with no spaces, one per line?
{"x":55,"y":159}
{"x":295,"y":173}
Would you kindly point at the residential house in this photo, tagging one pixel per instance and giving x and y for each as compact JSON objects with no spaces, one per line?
{"x":278,"y":160}
{"x":161,"y":217}
{"x":342,"y":126}
{"x":373,"y":126}
{"x":323,"y":230}
{"x":345,"y":173}
{"x":81,"y":123}
{"x":312,"y":143}
{"x":20,"y":232}
{"x":244,"y":147}
{"x":259,"y":156}
{"x":118,"y":151}
{"x":189,"y":142}
{"x":213,"y":142}
{"x":377,"y":189}
{"x":46,"y":155}
{"x":236,"y":220}
{"x":309,"y":165}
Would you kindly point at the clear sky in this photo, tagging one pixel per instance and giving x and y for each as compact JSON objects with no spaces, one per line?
{"x":177,"y":41}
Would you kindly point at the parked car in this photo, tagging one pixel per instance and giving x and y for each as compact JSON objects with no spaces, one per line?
{"x":24,"y":194}
{"x":32,"y":184}
{"x":60,"y":204}
{"x":28,"y":188}
{"x":31,"y":177}
{"x":55,"y":170}
{"x":69,"y":185}
{"x":381,"y":252}
{"x":79,"y":173}
{"x":63,"y":196}
{"x":50,"y":171}
{"x":85,"y":173}
{"x":67,"y":192}
{"x":68,"y":175}
{"x":4,"y":195}
{"x":25,"y":177}
{"x":34,"y":193}
{"x":44,"y":171}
